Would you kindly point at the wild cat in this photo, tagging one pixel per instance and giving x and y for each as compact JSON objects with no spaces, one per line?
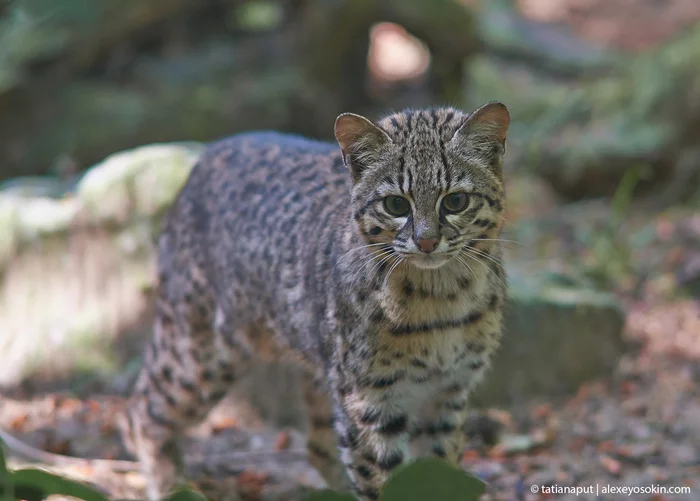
{"x":377,"y":263}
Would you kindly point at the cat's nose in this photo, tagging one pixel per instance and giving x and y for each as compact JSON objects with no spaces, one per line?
{"x":427,"y":245}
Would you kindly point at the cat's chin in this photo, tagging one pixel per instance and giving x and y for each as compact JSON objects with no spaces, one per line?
{"x":428,"y":262}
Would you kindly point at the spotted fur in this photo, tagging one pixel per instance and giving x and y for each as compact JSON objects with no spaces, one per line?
{"x":272,"y":239}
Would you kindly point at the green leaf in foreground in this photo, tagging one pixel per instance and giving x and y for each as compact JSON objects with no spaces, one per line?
{"x":41,"y":484}
{"x":328,"y":495}
{"x":428,"y":479}
{"x":185,"y":495}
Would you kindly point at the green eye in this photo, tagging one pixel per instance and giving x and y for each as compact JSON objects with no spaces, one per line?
{"x":397,"y":206}
{"x":455,"y":202}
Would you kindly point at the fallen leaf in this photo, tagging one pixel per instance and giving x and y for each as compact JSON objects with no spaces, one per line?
{"x":19,"y":422}
{"x":223,"y":424}
{"x":283,"y":441}
{"x":611,"y":465}
{"x":542,"y":411}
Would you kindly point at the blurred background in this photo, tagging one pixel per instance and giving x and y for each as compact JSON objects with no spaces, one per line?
{"x":105,"y":106}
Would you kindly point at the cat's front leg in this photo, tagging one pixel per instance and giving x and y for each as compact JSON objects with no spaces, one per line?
{"x":372,"y":437}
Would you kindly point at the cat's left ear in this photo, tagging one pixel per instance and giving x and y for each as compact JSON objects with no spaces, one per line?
{"x":484,"y":133}
{"x":359,"y":140}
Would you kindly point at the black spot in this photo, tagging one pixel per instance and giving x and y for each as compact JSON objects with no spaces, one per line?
{"x":369,"y":493}
{"x":170,"y":400}
{"x":415,"y":432}
{"x":385,"y":362}
{"x":187,"y":386}
{"x":207,"y":375}
{"x":476,"y":365}
{"x":417,"y":362}
{"x":390,"y":461}
{"x":191,"y":413}
{"x":352,"y":437}
{"x":369,"y":416}
{"x":423,"y":293}
{"x":397,"y":354}
{"x":228,"y":377}
{"x":483,"y":223}
{"x":475,"y":347}
{"x":451,"y":297}
{"x":217,"y":395}
{"x":454,"y":388}
{"x":375,"y":230}
{"x":167,"y":373}
{"x":456,"y":405}
{"x":441,"y":427}
{"x":364,"y":472}
{"x":493,"y":302}
{"x":388,"y":380}
{"x":369,"y":457}
{"x":377,"y":316}
{"x":407,"y":288}
{"x":394,"y":426}
{"x":362,"y":296}
{"x":439,"y":451}
{"x":483,"y":236}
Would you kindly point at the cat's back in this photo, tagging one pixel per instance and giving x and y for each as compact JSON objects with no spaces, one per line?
{"x":259,"y":177}
{"x":250,"y":201}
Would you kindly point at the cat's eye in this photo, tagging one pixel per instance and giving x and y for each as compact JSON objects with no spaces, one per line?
{"x":455,"y":202}
{"x":397,"y":206}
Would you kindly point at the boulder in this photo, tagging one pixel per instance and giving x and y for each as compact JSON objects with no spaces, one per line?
{"x":556,"y":337}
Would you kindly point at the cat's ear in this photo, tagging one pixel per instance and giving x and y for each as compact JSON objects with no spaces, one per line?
{"x":360,"y":140}
{"x":484,"y":133}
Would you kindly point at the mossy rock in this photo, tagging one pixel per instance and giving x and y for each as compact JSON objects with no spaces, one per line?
{"x":556,"y":337}
{"x":139,"y":183}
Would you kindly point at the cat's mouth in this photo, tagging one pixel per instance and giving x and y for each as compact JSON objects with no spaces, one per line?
{"x":428,"y":261}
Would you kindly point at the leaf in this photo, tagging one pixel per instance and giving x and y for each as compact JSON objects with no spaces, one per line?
{"x":329,"y":495}
{"x":432,"y":479}
{"x":185,"y":495}
{"x":42,"y":484}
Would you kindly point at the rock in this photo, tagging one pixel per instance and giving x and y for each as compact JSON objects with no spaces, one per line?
{"x":138,"y":183}
{"x":134,"y":184}
{"x":555,"y":338}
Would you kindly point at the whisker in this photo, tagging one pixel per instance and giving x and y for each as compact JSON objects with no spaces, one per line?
{"x":461,"y":260}
{"x":379,"y":264}
{"x":487,"y":269}
{"x":357,"y":249}
{"x":496,"y":240}
{"x":399,"y":260}
{"x":481,"y":253}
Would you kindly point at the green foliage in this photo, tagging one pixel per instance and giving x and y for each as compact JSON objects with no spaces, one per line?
{"x":30,"y":484}
{"x":417,"y":481}
{"x":420,"y":480}
{"x":34,"y":485}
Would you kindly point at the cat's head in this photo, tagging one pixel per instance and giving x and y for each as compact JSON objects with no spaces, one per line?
{"x":427,"y":183}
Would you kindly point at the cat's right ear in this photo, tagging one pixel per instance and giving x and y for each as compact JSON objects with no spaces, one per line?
{"x":359,"y":140}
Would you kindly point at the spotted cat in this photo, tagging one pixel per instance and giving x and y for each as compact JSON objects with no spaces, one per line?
{"x":378,"y":263}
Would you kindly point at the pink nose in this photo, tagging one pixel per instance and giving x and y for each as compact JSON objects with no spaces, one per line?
{"x":427,"y":245}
